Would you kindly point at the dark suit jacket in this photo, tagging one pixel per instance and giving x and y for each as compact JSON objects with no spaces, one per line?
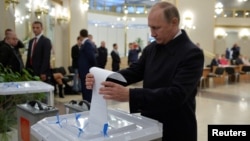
{"x":170,"y":75}
{"x":75,"y":55}
{"x":115,"y":61}
{"x":41,"y":56}
{"x":102,"y":57}
{"x":86,"y":58}
{"x":9,"y":57}
{"x":214,"y":62}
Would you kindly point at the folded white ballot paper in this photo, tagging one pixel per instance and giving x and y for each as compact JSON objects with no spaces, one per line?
{"x":98,"y":116}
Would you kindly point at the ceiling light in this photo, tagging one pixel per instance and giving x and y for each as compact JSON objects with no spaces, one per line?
{"x":218,"y":8}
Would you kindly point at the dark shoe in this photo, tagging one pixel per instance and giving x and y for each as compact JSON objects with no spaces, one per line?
{"x":60,"y":91}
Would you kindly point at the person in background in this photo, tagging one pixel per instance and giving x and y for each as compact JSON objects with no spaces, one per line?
{"x":39,"y":50}
{"x":19,"y":43}
{"x":223,"y":60}
{"x":8,"y":55}
{"x":133,"y":54}
{"x":228,"y":53}
{"x":198,"y":45}
{"x":235,"y":51}
{"x":58,"y":77}
{"x":116,"y":60}
{"x":239,"y":60}
{"x":102,"y":55}
{"x":245,"y":60}
{"x":215,"y":61}
{"x":90,"y":37}
{"x":75,"y":55}
{"x":86,"y":60}
{"x":170,"y":68}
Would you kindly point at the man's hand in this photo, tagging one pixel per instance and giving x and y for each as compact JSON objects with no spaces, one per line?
{"x":110,"y":90}
{"x":114,"y":91}
{"x":89,"y":81}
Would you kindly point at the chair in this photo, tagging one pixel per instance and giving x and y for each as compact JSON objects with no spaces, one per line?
{"x":244,"y":74}
{"x":204,"y":79}
{"x":71,"y":70}
{"x":231,"y":74}
{"x":218,"y":75}
{"x":66,"y":77}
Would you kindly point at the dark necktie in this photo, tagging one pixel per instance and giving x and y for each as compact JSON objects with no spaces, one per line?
{"x":33,"y":49}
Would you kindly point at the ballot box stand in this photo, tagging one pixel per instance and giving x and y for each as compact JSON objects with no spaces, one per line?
{"x":28,"y":114}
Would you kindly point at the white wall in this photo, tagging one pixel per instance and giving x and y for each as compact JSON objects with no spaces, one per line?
{"x":116,"y":35}
{"x":203,"y":12}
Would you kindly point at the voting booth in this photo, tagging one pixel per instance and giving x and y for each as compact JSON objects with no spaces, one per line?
{"x":99,"y":123}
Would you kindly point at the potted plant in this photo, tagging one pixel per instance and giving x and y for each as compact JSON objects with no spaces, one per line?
{"x":8,"y":103}
{"x":139,"y":41}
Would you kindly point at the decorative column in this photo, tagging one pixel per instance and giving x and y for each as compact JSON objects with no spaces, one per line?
{"x":78,"y":20}
{"x":7,"y":17}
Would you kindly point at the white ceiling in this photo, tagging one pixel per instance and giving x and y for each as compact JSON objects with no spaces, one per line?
{"x":228,"y":4}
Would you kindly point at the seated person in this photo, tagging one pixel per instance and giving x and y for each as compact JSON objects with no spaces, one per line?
{"x":223,"y":60}
{"x":58,"y":79}
{"x":215,"y":61}
{"x":239,"y":60}
{"x":245,"y":60}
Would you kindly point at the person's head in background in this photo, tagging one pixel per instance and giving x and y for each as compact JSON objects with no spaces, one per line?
{"x":37,"y":27}
{"x":8,"y":30}
{"x":163,"y":20}
{"x":90,"y":37}
{"x":103,"y":44}
{"x":198,"y":45}
{"x":11,"y":39}
{"x":84,"y":34}
{"x":217,"y":56}
{"x":115,"y":46}
{"x":130,"y":45}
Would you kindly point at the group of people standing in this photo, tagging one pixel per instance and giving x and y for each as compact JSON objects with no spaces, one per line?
{"x":38,"y":56}
{"x":85,"y":55}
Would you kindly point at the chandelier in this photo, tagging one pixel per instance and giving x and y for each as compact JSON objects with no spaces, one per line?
{"x":8,"y":3}
{"x":40,"y":7}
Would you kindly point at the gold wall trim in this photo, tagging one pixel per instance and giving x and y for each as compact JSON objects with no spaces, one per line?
{"x":233,"y":26}
{"x":58,"y":1}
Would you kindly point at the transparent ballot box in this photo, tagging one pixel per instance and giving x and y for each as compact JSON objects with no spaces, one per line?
{"x":121,"y":126}
{"x":28,"y":87}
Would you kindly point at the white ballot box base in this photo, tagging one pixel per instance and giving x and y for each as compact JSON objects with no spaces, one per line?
{"x":122,"y":126}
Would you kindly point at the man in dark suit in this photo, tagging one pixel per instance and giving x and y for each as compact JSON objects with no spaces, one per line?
{"x":8,"y":55}
{"x":86,"y":60}
{"x":19,"y":44}
{"x":38,"y":57}
{"x":102,"y":55}
{"x":215,"y":61}
{"x":75,"y":56}
{"x":170,"y":68}
{"x":116,"y":60}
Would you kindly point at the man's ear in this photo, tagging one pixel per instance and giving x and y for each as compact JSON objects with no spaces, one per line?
{"x":175,"y":21}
